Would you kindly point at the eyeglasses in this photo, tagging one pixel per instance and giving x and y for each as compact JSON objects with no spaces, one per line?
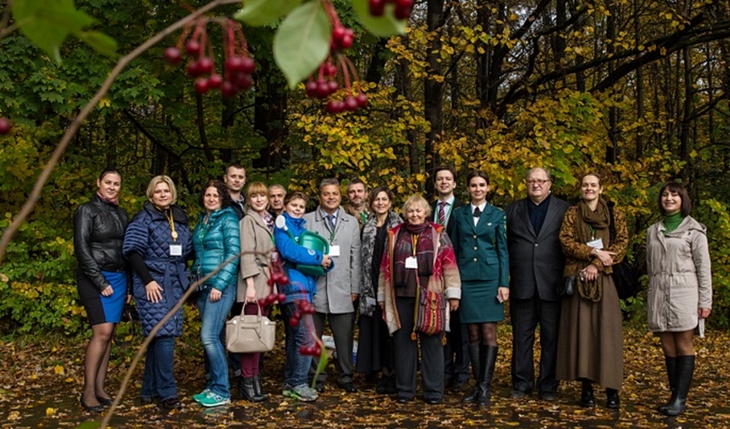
{"x":537,"y":181}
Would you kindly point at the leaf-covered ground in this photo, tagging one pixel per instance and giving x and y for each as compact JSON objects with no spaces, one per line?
{"x":40,"y":383}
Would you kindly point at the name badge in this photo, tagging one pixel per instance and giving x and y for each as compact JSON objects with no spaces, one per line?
{"x":596,"y":244}
{"x":176,"y":250}
{"x":334,"y":251}
{"x":371,"y":302}
{"x":412,"y":263}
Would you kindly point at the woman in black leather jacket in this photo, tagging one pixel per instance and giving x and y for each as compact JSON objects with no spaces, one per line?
{"x":99,"y":227}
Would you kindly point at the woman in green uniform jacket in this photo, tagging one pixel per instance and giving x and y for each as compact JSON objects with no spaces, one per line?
{"x":480,"y":243}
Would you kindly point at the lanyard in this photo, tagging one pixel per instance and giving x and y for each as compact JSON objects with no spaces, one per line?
{"x":414,"y":240}
{"x":203,"y":229}
{"x":333,"y":231}
{"x":593,"y":232}
{"x":171,"y":220}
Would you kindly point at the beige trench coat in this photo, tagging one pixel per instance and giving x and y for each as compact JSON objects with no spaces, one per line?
{"x":680,"y":281}
{"x":255,"y":237}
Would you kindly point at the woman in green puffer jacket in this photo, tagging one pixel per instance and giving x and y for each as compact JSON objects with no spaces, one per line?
{"x":216,"y":239}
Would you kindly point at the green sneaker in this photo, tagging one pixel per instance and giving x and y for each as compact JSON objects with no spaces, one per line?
{"x":201,"y":395}
{"x":302,"y":393}
{"x":213,"y":400}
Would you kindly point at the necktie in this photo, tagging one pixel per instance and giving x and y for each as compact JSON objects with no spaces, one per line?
{"x":477,"y":212}
{"x":331,"y":221}
{"x":442,"y":213}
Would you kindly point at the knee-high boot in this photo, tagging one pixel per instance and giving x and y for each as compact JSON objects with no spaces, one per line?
{"x":685,"y":367}
{"x":474,"y":355}
{"x":487,"y":360}
{"x":671,"y":363}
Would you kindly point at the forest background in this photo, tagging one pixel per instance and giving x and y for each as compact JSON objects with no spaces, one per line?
{"x":633,"y":89}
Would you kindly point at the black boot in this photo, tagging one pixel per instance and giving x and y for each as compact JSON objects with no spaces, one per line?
{"x":247,"y":389}
{"x":671,"y":363}
{"x":258,"y":390}
{"x":685,"y":367}
{"x":474,"y":355}
{"x":586,"y":394}
{"x":488,"y":358}
{"x":612,"y":400}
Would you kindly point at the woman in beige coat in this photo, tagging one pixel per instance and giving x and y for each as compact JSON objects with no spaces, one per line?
{"x":257,"y":243}
{"x":680,"y":288}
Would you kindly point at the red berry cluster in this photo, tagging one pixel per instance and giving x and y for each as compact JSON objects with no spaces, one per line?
{"x":238,"y":66}
{"x":402,"y":10}
{"x":342,"y":37}
{"x":303,"y":307}
{"x":313,"y":350}
{"x":5,"y":126}
{"x":337,"y":69}
{"x":278,"y":277}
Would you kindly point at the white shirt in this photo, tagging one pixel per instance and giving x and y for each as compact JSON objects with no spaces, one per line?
{"x":481,"y":207}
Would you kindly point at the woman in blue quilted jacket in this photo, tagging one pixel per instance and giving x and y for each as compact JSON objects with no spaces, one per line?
{"x":216,"y":239}
{"x":157,"y":243}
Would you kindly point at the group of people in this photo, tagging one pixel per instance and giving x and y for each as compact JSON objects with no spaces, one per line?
{"x":390,"y":268}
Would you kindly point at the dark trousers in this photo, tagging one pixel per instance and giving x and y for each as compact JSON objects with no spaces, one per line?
{"x":456,"y":351}
{"x":525,"y":315}
{"x":406,"y":356}
{"x":342,"y":331}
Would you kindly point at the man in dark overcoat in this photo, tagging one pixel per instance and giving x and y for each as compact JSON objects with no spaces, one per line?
{"x":536,"y":267}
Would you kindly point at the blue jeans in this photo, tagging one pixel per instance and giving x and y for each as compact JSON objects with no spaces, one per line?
{"x":296,"y":369}
{"x":159,"y":379}
{"x":213,"y":316}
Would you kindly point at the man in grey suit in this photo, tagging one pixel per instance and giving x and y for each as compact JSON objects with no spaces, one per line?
{"x":536,"y":267}
{"x":340,"y":287}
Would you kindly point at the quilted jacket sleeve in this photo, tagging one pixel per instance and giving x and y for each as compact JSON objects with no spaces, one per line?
{"x":231,"y":247}
{"x":136,"y":238}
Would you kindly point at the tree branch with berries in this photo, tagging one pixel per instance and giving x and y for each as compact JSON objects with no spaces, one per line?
{"x":310,"y":44}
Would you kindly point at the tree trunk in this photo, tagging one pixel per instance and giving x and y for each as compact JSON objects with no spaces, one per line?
{"x":269,"y":116}
{"x":684,"y":134}
{"x":433,"y":89}
{"x":613,"y":133}
{"x":639,"y":87}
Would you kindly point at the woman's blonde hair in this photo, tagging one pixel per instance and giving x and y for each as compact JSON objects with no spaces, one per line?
{"x":256,"y":188}
{"x":161,"y":179}
{"x":417,"y":199}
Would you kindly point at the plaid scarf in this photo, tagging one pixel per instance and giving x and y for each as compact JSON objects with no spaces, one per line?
{"x":423,"y":236}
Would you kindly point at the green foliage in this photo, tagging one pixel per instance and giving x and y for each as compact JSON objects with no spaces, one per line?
{"x":714,"y":214}
{"x":37,"y":291}
{"x":48,"y":23}
{"x":302,"y":42}
{"x":262,"y":12}
{"x":381,"y":26}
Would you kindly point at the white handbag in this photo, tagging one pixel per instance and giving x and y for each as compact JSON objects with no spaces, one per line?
{"x":250,"y":333}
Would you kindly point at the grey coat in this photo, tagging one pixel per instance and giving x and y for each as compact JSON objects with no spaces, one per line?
{"x":255,"y":237}
{"x":369,"y":290}
{"x":335,"y":289}
{"x":680,"y":281}
{"x":535,"y":260}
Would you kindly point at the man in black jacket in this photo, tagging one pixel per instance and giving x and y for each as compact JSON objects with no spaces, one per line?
{"x":536,"y":267}
{"x":456,"y":349}
{"x":235,"y":180}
